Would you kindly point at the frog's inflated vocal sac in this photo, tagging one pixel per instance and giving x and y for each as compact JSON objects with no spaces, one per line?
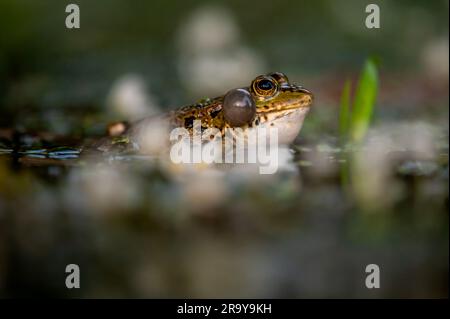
{"x":270,"y":101}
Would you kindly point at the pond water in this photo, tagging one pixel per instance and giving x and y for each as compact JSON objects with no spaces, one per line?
{"x":139,"y":227}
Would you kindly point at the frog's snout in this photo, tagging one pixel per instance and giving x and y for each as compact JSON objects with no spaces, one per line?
{"x":304,"y":95}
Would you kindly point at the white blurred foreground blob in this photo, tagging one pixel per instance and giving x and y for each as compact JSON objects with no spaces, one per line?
{"x":374,"y":166}
{"x":152,"y":136}
{"x":204,"y":187}
{"x":102,"y":189}
{"x":435,"y":59}
{"x":211,"y":56}
{"x":129,"y":99}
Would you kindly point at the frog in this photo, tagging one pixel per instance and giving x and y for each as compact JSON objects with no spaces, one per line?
{"x":270,"y":100}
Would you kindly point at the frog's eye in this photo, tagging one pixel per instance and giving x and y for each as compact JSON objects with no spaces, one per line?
{"x":239,"y":108}
{"x":264,"y":86}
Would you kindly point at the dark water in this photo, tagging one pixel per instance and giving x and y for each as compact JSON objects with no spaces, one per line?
{"x":139,"y":229}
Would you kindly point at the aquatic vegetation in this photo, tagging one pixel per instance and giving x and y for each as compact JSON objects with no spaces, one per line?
{"x":356,"y":115}
{"x":355,"y":118}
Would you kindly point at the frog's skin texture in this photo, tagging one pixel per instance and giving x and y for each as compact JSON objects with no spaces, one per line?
{"x":278,"y":102}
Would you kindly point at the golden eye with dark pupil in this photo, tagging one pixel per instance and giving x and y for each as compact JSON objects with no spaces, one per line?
{"x":264,"y":86}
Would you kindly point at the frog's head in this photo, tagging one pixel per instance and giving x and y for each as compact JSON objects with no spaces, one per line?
{"x":271,"y":101}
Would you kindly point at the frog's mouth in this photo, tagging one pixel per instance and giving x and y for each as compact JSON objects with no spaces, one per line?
{"x":287,"y":112}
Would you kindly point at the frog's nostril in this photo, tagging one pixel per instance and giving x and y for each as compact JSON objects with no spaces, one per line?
{"x":298,"y":89}
{"x":301,"y":89}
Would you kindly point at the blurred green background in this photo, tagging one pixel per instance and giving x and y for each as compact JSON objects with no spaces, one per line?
{"x":45,"y":66}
